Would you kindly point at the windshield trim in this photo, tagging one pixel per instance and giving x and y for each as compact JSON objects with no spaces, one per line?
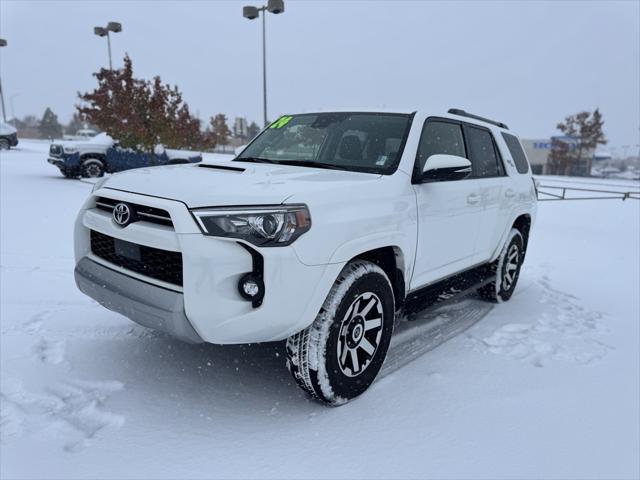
{"x":389,"y":170}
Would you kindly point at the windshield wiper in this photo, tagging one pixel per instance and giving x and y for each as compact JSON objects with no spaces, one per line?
{"x":311,"y":163}
{"x":254,"y":160}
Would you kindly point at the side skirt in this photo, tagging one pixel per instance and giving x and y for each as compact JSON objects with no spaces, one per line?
{"x":451,"y":288}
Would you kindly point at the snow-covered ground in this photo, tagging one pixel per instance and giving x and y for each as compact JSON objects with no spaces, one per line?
{"x":544,"y":386}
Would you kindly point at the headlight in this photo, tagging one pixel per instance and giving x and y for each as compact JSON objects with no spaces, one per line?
{"x":262,"y":226}
{"x":99,"y":184}
{"x":70,"y":149}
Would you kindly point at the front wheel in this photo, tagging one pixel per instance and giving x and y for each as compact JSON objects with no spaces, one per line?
{"x":507,"y":270}
{"x":92,"y":168}
{"x":339,"y":356}
{"x":4,"y":144}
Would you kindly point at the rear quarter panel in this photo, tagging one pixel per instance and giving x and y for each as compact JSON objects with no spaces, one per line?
{"x":525,"y":201}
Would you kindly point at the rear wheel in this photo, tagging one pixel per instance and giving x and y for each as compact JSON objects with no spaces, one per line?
{"x":92,"y":168}
{"x":339,"y":356}
{"x":4,"y":144}
{"x":507,"y":270}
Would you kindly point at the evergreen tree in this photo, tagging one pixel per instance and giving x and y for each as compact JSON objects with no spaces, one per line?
{"x":252,"y":130}
{"x":49,"y":126}
{"x":220,"y":129}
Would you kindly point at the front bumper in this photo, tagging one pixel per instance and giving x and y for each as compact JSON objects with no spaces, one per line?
{"x":65,"y":161}
{"x":58,"y":162}
{"x":208,"y":299}
{"x":144,"y":303}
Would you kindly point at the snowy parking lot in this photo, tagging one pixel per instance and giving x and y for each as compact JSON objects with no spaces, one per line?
{"x":544,"y":386}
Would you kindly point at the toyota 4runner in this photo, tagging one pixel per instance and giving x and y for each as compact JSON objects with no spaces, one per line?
{"x":322,"y":231}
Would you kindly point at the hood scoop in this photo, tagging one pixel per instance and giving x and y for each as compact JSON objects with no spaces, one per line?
{"x":220,"y":167}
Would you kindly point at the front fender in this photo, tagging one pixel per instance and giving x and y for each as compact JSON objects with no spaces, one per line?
{"x":402,"y":243}
{"x":72,"y":160}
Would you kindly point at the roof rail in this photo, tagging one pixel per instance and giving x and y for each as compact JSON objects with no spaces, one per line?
{"x":462,"y":113}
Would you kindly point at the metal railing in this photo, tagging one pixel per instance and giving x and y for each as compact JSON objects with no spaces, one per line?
{"x":566,"y":193}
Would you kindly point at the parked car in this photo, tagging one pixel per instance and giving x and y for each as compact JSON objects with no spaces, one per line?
{"x":82,"y":134}
{"x":8,"y":136}
{"x":321,"y":232}
{"x":101,"y":154}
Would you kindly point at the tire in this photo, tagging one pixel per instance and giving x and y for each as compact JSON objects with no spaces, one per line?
{"x":508,"y":268}
{"x":321,"y":358}
{"x":4,"y":144}
{"x":92,"y":168}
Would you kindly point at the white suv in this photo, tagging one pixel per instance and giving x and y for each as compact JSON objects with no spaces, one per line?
{"x":321,"y":231}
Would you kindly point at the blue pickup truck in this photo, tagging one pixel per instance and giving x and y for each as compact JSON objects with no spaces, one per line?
{"x":101,"y":154}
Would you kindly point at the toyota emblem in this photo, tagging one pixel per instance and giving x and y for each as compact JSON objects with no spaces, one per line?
{"x":122,"y":214}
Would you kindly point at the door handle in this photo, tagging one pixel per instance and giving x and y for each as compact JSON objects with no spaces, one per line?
{"x":509,"y":193}
{"x":473,"y":199}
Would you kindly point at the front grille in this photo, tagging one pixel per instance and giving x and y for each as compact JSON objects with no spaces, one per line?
{"x":139,"y":212}
{"x":55,"y":150}
{"x":152,"y":262}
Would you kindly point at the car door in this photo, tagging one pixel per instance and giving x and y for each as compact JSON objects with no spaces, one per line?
{"x":448,"y":211}
{"x":492,"y":184}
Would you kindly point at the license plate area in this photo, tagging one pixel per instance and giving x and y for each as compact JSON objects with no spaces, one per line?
{"x":126,"y":249}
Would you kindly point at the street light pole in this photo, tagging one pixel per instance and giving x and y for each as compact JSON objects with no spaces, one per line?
{"x":264,"y":68}
{"x":114,"y":27}
{"x":3,"y":43}
{"x":275,"y":7}
{"x":109,"y":46}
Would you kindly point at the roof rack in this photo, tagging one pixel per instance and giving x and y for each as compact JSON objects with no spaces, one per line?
{"x":462,"y":113}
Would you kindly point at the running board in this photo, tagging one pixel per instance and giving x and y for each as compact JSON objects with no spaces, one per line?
{"x":450,"y":289}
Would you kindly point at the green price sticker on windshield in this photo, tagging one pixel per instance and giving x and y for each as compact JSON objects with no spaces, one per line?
{"x":281,"y":122}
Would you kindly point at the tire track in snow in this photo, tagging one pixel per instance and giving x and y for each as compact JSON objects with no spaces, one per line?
{"x":563,"y":330}
{"x":432,"y":327}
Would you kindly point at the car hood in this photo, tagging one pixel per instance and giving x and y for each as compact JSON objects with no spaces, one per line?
{"x":238,"y":183}
{"x":102,"y":140}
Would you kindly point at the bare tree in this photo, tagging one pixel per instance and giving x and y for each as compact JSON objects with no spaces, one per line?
{"x":583,"y":133}
{"x":140,"y":113}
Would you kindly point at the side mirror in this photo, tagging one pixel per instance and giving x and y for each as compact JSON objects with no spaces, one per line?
{"x":159,"y":149}
{"x":444,"y":168}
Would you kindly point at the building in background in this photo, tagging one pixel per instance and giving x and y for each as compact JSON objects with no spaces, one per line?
{"x":538,"y":151}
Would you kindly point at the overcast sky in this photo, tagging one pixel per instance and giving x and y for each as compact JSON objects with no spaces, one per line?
{"x":526,"y":64}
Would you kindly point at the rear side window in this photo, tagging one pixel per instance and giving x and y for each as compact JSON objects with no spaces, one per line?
{"x":440,"y":137}
{"x":483,"y":153}
{"x":517,"y":153}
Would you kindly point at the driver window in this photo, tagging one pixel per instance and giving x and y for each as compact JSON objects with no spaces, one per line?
{"x":440,"y":137}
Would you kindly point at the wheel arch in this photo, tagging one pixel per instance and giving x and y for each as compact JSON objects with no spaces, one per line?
{"x":94,"y":156}
{"x":523,"y":225}
{"x":392,"y":261}
{"x":522,"y":221}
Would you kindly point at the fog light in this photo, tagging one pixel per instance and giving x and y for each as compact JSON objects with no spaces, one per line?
{"x":251,"y":287}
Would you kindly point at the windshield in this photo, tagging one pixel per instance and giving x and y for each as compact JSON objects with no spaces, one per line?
{"x":365,"y":142}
